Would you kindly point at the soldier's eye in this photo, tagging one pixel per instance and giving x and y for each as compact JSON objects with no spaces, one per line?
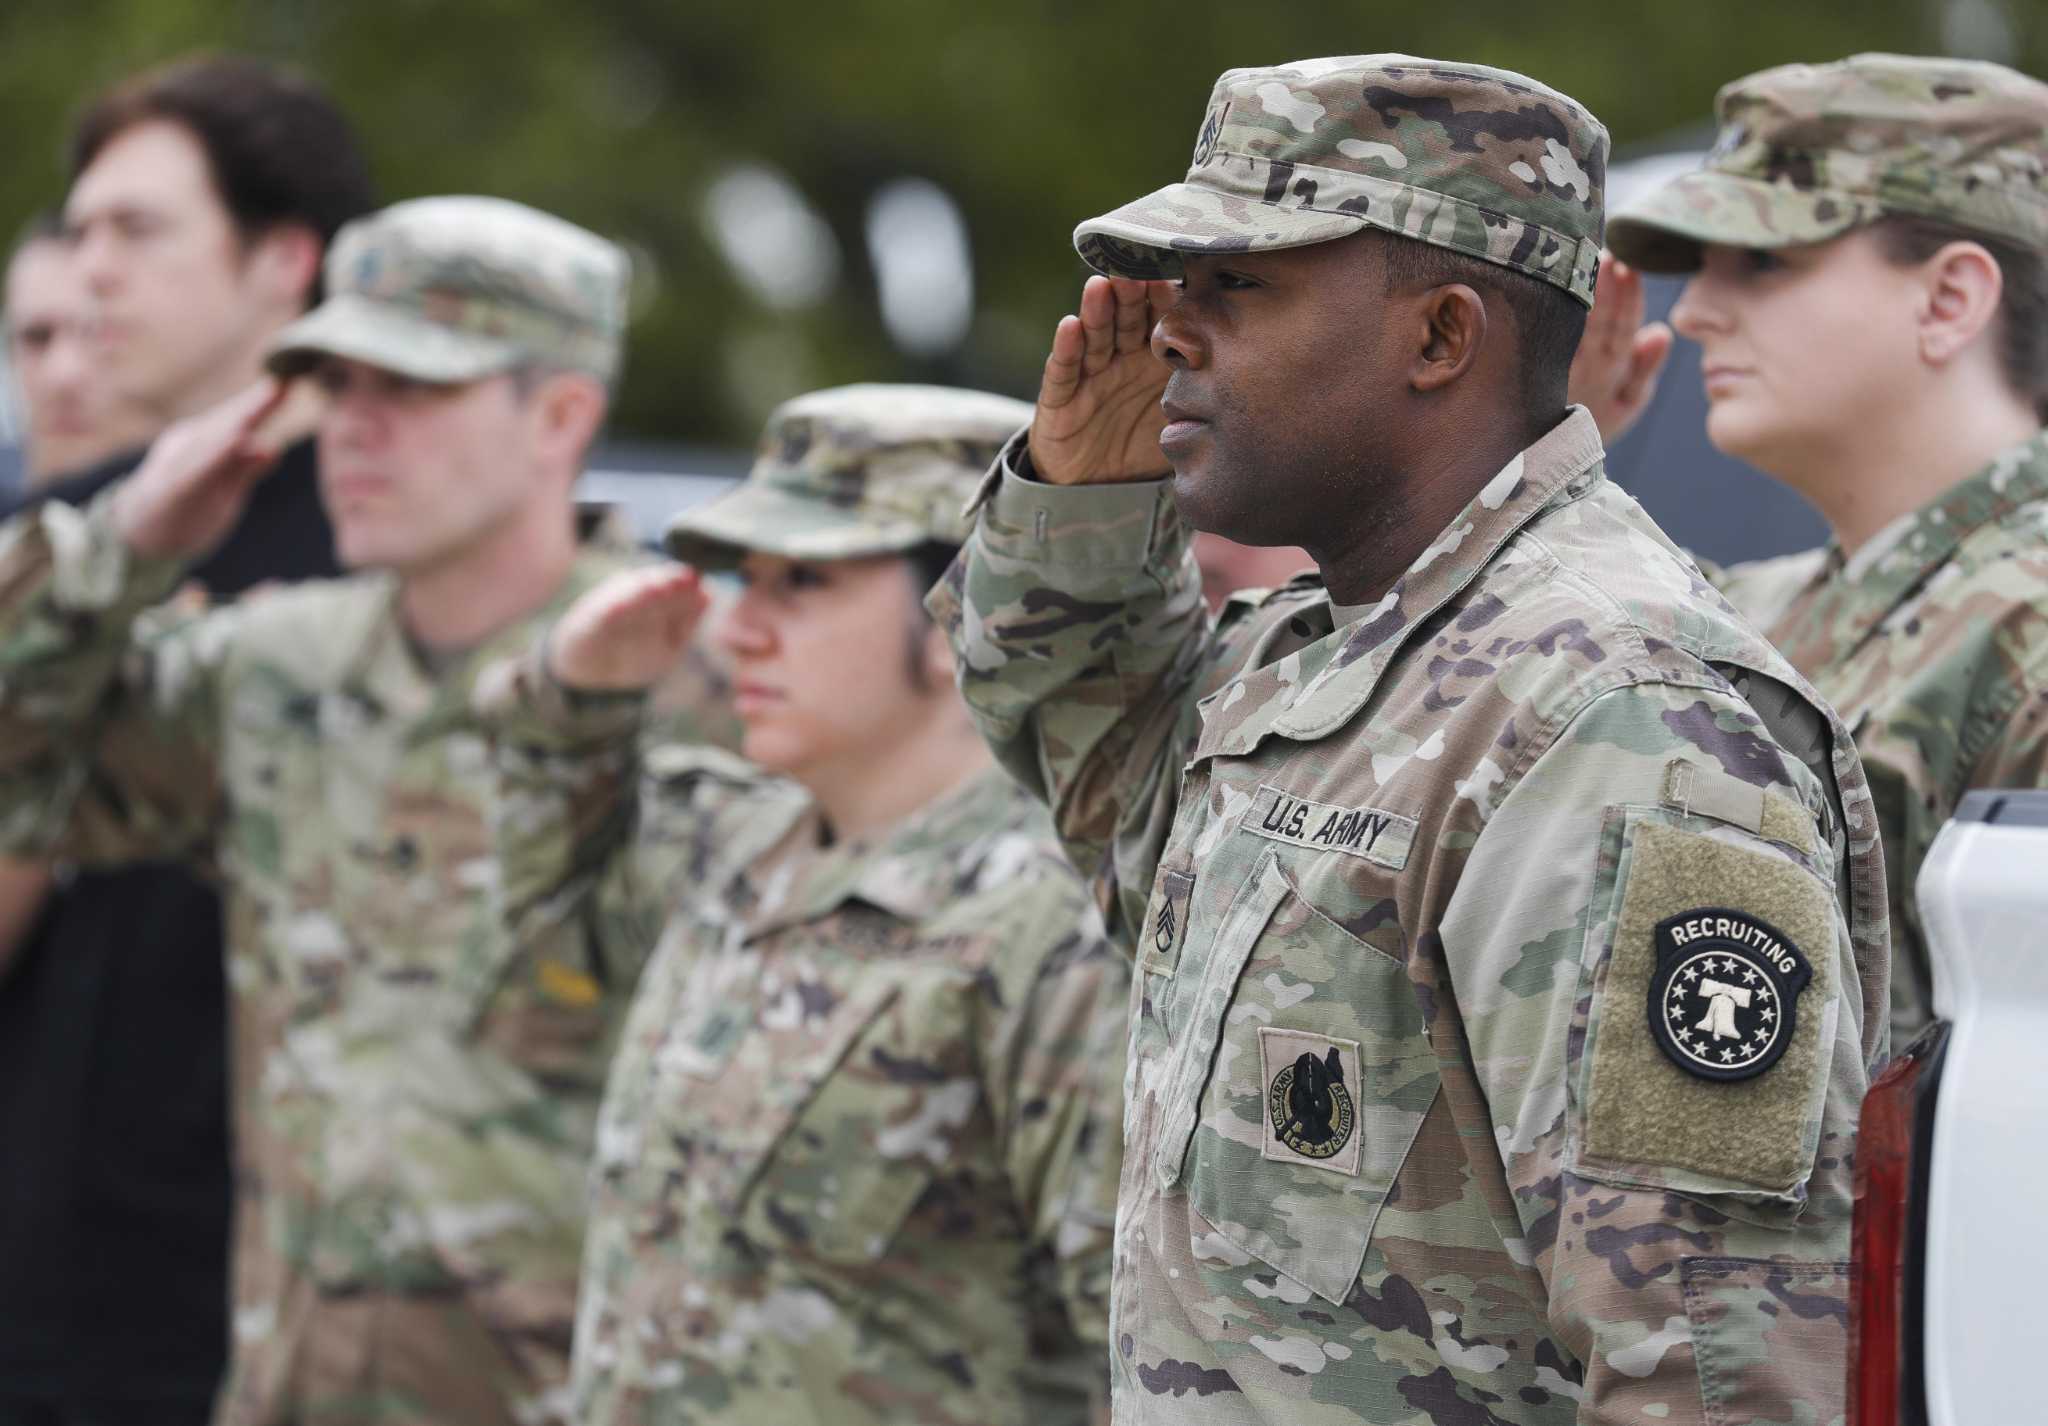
{"x":803,"y":576}
{"x":1761,"y":260}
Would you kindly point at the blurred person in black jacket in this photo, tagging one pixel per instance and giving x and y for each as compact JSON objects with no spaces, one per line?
{"x":202,"y":197}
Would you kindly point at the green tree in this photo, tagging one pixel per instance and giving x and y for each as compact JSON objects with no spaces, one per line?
{"x":621,"y":114}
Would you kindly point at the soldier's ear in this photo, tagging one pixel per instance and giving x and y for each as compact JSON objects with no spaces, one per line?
{"x":285,"y":261}
{"x":1963,"y":287}
{"x":1453,"y":329}
{"x":571,"y":410}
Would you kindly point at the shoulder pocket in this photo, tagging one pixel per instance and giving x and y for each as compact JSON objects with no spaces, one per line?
{"x":1300,"y":1082}
{"x":1712,"y":1021}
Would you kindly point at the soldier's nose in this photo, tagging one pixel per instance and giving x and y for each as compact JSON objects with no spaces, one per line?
{"x":1176,"y":342}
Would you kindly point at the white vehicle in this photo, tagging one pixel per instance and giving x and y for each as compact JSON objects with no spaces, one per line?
{"x":1951,"y":1251}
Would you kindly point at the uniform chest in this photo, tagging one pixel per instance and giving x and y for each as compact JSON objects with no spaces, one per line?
{"x":819,"y":1076}
{"x":360,"y":845}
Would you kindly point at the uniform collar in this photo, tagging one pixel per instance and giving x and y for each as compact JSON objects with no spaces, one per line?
{"x":1308,"y":695}
{"x":912,"y":870}
{"x":1900,"y":558}
{"x":386,"y":677}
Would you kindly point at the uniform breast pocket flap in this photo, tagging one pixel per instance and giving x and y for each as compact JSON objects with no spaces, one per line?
{"x":1305,"y":1075}
{"x":842,"y":1169}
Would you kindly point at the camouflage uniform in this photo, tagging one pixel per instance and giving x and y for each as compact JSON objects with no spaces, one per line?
{"x":858,"y":1155}
{"x":416,"y":1078}
{"x":1932,"y":639}
{"x":1475,"y":1074}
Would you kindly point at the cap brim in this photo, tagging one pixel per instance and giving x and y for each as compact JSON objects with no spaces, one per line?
{"x":758,"y":518}
{"x":1664,"y":230}
{"x":393,"y":338}
{"x":1145,"y":239}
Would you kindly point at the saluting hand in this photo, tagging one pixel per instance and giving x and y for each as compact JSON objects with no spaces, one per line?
{"x":1098,"y":417}
{"x":1620,"y":357}
{"x":196,"y":480}
{"x":628,"y":632}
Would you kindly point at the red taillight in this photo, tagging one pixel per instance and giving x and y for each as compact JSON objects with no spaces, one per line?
{"x":1891,"y":1167}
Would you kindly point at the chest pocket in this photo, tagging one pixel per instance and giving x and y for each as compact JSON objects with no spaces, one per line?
{"x":832,"y":1131}
{"x":1297,"y":1087}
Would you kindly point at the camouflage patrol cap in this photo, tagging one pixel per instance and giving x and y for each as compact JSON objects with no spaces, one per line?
{"x":1808,"y":151}
{"x":853,"y":471}
{"x":1481,"y":161}
{"x":459,"y":288}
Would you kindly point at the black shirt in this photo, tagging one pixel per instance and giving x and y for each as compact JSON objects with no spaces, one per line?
{"x":114,"y":1149}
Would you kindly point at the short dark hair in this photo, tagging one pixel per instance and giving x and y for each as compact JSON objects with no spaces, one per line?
{"x":2022,"y":303}
{"x":1548,"y":320}
{"x":926,"y":565}
{"x":280,"y":150}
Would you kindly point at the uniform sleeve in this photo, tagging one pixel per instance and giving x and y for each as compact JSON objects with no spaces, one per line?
{"x":605,"y":814}
{"x":1080,"y":638}
{"x":1764,"y":589}
{"x":110,"y":715}
{"x":693,"y":704}
{"x":1053,"y":1070}
{"x":1660,"y":1009}
{"x":568,"y":768}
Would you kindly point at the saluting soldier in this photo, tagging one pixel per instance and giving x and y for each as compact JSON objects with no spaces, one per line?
{"x":1450,"y":832}
{"x":1868,"y":244}
{"x":858,"y":1157}
{"x":416,"y":1079}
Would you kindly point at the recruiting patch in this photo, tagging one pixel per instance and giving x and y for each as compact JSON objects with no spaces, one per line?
{"x":1654,"y":1101}
{"x":1724,"y":998}
{"x":1311,"y":1110}
{"x":1368,"y":832}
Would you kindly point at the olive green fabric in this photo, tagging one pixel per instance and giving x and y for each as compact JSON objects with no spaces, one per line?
{"x":1642,"y":1108}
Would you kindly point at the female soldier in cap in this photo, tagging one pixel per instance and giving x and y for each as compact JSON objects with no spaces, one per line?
{"x":858,"y":1153}
{"x":1868,"y":244}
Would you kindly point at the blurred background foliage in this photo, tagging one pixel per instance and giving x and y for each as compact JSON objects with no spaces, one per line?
{"x":878,"y":189}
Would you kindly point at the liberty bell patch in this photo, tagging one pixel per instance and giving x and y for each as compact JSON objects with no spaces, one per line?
{"x":1724,"y":998}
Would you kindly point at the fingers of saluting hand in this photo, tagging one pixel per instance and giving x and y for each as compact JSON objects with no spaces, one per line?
{"x":1063,"y":367}
{"x":1617,"y":308}
{"x":241,"y":419}
{"x":1647,"y":354}
{"x":666,"y":588}
{"x":1098,"y":324}
{"x":1133,"y":315}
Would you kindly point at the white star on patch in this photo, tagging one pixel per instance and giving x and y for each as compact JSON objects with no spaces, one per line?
{"x":1749,"y":976}
{"x":1763,"y":992}
{"x":1727,"y":1054}
{"x":1692,"y":972}
{"x":1770,"y":1014}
